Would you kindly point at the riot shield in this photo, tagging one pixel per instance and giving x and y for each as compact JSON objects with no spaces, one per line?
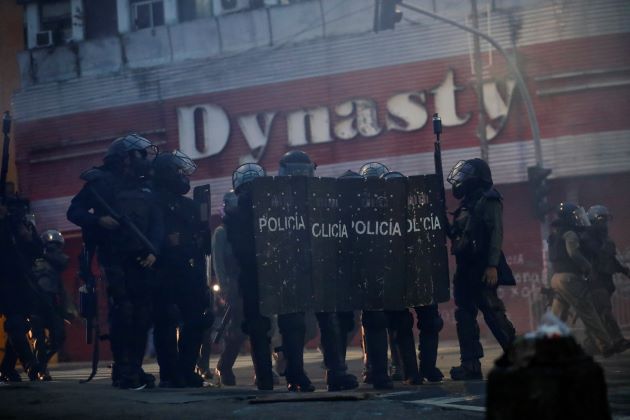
{"x":377,"y":242}
{"x":427,"y":279}
{"x":282,"y":244}
{"x":329,"y":242}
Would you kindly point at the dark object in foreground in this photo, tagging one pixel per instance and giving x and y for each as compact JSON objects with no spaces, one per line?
{"x":546,"y":378}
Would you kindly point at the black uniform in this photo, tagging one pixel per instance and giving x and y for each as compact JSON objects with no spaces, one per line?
{"x":19,"y":247}
{"x":182,"y":297}
{"x":239,"y":223}
{"x":477,"y":236}
{"x":129,"y":285}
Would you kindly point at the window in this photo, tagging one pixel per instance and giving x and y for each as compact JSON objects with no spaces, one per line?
{"x":147,"y":13}
{"x":56,"y":17}
{"x":194,"y":9}
{"x":101,"y":18}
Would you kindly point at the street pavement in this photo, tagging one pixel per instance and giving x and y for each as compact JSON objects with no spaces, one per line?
{"x":66,"y":398}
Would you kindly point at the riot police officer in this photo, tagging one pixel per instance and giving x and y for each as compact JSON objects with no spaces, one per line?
{"x":331,"y":325}
{"x":53,"y":305}
{"x":19,"y":246}
{"x":226,"y":270}
{"x":429,"y":325}
{"x":126,"y":260}
{"x":239,"y":226}
{"x":476,"y":240}
{"x":603,"y":256}
{"x":570,"y":270}
{"x":182,"y":296}
{"x":375,"y":323}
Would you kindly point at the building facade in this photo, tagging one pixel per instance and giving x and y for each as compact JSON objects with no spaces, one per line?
{"x":227,"y":88}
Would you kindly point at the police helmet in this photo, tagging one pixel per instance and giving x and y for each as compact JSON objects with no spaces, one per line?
{"x":599,"y":214}
{"x":350,"y":175}
{"x":572,"y":215}
{"x":173,"y":163}
{"x":373,"y":170}
{"x":296,"y":163}
{"x":52,"y":236}
{"x":123,"y":145}
{"x":469,"y":170}
{"x":246,"y":173}
{"x":392,"y":175}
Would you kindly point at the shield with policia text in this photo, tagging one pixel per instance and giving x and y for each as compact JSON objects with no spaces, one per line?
{"x":378,"y":243}
{"x":328,"y":244}
{"x":282,"y":244}
{"x":427,"y":279}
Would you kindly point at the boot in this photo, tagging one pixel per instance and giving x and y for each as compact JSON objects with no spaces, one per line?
{"x":407,"y":354}
{"x":427,"y":355}
{"x":261,"y":357}
{"x":337,"y":377}
{"x":293,"y":346}
{"x":376,"y":345}
{"x":467,"y":371}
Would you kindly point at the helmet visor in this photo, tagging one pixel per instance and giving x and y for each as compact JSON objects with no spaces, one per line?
{"x":461,"y":171}
{"x":185,"y":165}
{"x":297,"y":169}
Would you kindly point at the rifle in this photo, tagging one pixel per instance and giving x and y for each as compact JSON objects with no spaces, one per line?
{"x":6,"y":129}
{"x":125,"y":222}
{"x":224,"y":323}
{"x":437,"y":159}
{"x":88,"y":305}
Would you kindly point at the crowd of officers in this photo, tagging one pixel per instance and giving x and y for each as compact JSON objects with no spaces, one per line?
{"x":158,"y":280}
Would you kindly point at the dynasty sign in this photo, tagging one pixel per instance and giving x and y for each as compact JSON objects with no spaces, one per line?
{"x":326,"y":244}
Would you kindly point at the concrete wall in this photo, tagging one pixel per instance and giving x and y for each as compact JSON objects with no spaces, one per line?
{"x":205,"y":38}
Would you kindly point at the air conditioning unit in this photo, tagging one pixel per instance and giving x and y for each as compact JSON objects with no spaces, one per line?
{"x":44,"y":39}
{"x":222,"y":7}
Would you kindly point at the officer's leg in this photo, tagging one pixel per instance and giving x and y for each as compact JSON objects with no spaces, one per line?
{"x":603,"y":306}
{"x":167,"y":317}
{"x":15,"y":326}
{"x":575,"y":291}
{"x":293,"y":330}
{"x":258,"y":327}
{"x":8,"y":373}
{"x":401,"y":323}
{"x":430,"y":324}
{"x":233,"y":341}
{"x":396,"y":367}
{"x":493,"y":311}
{"x":375,"y":327}
{"x":332,"y":340}
{"x":197,"y":318}
{"x":119,"y":319}
{"x":41,"y":347}
{"x":346,"y":326}
{"x":142,"y":322}
{"x":467,"y":333}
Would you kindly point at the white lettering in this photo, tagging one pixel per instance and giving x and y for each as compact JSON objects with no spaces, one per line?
{"x":445,"y":103}
{"x":406,"y":111}
{"x":216,"y":130}
{"x":308,"y":126}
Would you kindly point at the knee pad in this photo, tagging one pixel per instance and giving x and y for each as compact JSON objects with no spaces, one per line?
{"x":291,"y":323}
{"x":374,"y":320}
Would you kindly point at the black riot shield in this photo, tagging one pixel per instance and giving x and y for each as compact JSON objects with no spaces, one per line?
{"x":427,"y":279}
{"x":282,"y":244}
{"x":329,"y":241}
{"x":378,"y":244}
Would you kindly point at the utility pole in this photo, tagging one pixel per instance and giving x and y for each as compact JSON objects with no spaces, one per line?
{"x":481,"y":124}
